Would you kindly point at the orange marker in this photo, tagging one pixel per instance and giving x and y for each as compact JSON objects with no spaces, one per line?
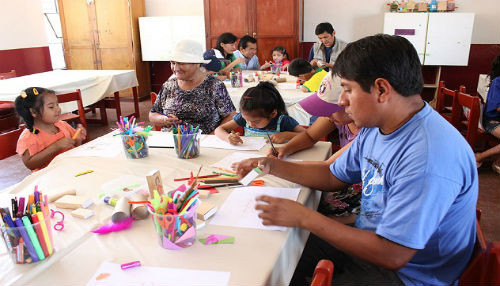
{"x":78,"y":131}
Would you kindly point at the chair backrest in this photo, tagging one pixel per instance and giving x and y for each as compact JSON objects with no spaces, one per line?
{"x":6,"y":75}
{"x":323,"y":273}
{"x":153,"y":96}
{"x":75,"y":96}
{"x":444,"y":101}
{"x":470,"y":123}
{"x":8,"y":142}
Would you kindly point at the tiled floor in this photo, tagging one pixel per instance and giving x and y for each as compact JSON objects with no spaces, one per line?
{"x":12,"y":171}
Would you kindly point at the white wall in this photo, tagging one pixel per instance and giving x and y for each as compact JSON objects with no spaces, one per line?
{"x":155,"y":8}
{"x":21,"y":24}
{"x":353,"y":20}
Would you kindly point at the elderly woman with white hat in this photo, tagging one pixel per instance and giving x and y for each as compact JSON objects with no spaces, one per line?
{"x":191,"y":96}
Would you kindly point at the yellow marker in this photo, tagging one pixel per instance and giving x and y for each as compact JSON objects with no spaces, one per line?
{"x":41,"y":220}
{"x":83,"y":173}
{"x":78,"y":131}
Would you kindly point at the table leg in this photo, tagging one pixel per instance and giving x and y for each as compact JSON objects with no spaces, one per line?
{"x":117,"y":105}
{"x":136,"y":102}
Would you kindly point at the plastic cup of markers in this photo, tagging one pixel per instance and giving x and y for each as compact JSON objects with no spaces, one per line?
{"x":24,"y":248}
{"x":187,"y":146}
{"x":176,"y":231}
{"x":135,"y":146}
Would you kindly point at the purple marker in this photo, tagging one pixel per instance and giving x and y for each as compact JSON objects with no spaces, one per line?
{"x":132,"y":264}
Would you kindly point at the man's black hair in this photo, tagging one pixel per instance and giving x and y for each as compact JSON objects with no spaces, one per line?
{"x":324,"y":27}
{"x":299,"y":66}
{"x":381,"y":56}
{"x":245,"y":40}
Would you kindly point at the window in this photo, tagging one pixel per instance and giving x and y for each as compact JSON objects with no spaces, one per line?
{"x":53,"y":30}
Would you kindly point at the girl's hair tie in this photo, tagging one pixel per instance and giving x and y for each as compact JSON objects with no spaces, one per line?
{"x":35,"y":91}
{"x":23,"y":94}
{"x":246,"y":97}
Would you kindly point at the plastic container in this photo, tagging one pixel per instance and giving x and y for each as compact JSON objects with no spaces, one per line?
{"x":176,"y":231}
{"x":187,"y":146}
{"x":135,"y":146}
{"x":29,"y":243}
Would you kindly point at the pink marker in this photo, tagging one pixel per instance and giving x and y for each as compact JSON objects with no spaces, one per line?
{"x":132,"y":264}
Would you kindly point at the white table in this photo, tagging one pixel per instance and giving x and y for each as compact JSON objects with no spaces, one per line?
{"x":482,"y":86}
{"x":258,"y":257}
{"x":95,"y":85}
{"x":291,"y":96}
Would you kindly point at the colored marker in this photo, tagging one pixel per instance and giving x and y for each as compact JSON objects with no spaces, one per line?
{"x":45,"y":232}
{"x":83,"y":173}
{"x":39,"y":233}
{"x":34,"y":239}
{"x":77,"y":133}
{"x":26,"y":239}
{"x":129,"y":265}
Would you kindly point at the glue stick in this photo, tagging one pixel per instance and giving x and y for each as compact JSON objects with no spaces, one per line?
{"x":110,"y":200}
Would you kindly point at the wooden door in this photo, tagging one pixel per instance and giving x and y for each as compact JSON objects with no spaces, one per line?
{"x":78,"y":40}
{"x":113,"y":19}
{"x":276,"y":24}
{"x":223,"y":16}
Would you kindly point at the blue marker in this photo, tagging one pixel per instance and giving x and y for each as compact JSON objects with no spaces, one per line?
{"x":26,"y":239}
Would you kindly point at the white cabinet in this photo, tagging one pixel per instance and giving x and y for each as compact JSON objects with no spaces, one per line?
{"x":441,"y":39}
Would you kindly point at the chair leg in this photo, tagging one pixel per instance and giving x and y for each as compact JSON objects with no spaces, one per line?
{"x":102,"y":110}
{"x":117,"y":105}
{"x":136,"y":102}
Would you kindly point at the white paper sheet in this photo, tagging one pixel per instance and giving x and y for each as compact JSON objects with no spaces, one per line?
{"x":161,"y":139}
{"x":111,"y":274}
{"x":105,"y":147}
{"x":249,"y":143}
{"x":235,"y":157}
{"x":287,"y":85}
{"x":239,"y":208}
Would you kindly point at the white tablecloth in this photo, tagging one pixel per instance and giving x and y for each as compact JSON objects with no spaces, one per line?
{"x":94,"y":84}
{"x":258,"y":257}
{"x":290,"y":96}
{"x":482,"y":86}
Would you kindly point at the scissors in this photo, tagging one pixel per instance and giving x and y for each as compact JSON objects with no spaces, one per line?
{"x":164,"y":219}
{"x":60,"y":224}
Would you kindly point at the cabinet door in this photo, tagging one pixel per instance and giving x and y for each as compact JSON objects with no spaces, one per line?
{"x":223,"y":16}
{"x":276,"y":23}
{"x":412,"y":26}
{"x":79,"y":45}
{"x":448,"y":39}
{"x":113,"y":20}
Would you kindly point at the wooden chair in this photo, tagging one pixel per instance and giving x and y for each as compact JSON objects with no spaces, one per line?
{"x":469,"y":126}
{"x":71,"y":116}
{"x":153,"y":96}
{"x":445,"y":99}
{"x":8,"y":142}
{"x":6,"y":75}
{"x":323,"y":273}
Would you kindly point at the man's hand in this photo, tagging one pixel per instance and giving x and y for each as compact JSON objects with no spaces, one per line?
{"x":244,"y":167}
{"x":282,"y":212}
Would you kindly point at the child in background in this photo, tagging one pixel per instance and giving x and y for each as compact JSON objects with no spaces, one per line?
{"x":213,"y":67}
{"x":262,"y":110}
{"x":224,"y":49}
{"x":45,"y":135}
{"x":309,"y":78}
{"x":280,"y":58}
{"x":491,"y":115}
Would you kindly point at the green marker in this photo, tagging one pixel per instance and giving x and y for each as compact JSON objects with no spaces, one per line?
{"x":33,"y":238}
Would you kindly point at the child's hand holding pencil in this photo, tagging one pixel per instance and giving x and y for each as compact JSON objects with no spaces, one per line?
{"x":234,"y":138}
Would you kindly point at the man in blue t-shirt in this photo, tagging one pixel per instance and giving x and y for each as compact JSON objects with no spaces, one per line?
{"x":417,"y":222}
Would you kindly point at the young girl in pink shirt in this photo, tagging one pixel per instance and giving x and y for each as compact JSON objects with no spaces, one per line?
{"x":45,"y":135}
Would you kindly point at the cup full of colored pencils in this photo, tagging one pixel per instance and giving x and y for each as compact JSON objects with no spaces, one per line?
{"x":174,"y":218}
{"x":26,"y":229}
{"x":186,"y":141}
{"x":133,"y":137}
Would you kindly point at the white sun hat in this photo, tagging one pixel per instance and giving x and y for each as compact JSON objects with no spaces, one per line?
{"x":188,"y":51}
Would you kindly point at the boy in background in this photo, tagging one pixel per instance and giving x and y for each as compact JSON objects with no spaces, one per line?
{"x":309,"y":77}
